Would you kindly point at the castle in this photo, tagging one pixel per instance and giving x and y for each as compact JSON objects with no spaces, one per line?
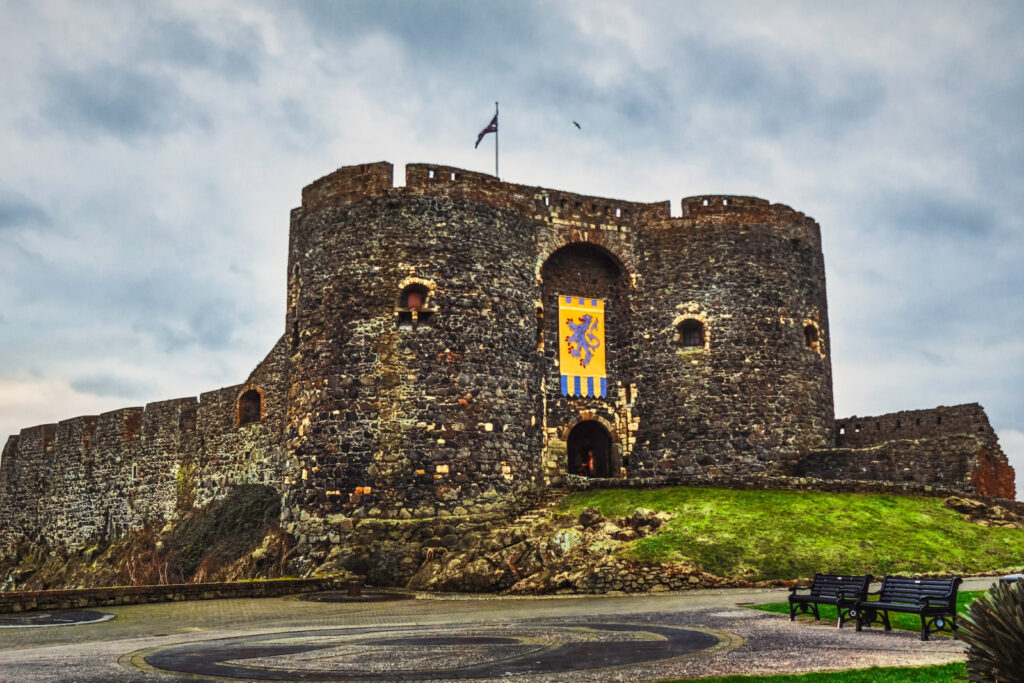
{"x":422,"y":374}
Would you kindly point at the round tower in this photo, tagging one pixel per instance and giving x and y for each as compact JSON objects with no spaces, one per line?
{"x":736,"y":371}
{"x":408,"y":313}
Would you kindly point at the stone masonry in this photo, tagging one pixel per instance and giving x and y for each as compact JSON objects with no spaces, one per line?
{"x":416,"y":383}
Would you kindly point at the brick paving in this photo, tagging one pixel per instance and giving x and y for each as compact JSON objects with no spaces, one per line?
{"x":749,"y":641}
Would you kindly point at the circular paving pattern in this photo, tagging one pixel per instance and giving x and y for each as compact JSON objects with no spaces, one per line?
{"x":43,"y":619}
{"x":430,"y":653}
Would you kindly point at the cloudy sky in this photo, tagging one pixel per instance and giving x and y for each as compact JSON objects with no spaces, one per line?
{"x":150,"y":153}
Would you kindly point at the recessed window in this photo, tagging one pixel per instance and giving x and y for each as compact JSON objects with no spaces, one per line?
{"x":811,"y":338}
{"x":691,"y":333}
{"x":250,"y":407}
{"x":413,"y":307}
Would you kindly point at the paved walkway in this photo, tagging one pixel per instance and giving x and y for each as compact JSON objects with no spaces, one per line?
{"x":613,"y":638}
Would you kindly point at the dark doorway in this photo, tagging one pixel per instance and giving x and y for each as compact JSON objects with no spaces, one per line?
{"x":589,"y":448}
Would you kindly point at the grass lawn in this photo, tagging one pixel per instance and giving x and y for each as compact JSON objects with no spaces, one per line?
{"x":761,"y":535}
{"x":923,"y":674}
{"x":910,"y":622}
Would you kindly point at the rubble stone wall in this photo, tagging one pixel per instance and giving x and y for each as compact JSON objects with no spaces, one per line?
{"x":948,"y":446}
{"x":436,"y":418}
{"x":96,"y":476}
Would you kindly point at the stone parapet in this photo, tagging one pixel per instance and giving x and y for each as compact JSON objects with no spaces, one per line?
{"x":25,"y":601}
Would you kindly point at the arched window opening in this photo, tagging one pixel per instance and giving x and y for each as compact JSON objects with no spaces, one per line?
{"x":811,"y":338}
{"x":412,"y":306}
{"x":691,"y":333}
{"x":250,"y":407}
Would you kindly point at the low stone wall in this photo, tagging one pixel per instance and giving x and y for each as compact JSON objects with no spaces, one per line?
{"x":775,"y":483}
{"x":24,"y":601}
{"x":793,"y":482}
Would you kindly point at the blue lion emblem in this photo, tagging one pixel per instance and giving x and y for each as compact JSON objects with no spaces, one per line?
{"x":583,"y":339}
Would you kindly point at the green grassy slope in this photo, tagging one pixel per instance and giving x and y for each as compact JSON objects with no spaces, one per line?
{"x":763,"y":535}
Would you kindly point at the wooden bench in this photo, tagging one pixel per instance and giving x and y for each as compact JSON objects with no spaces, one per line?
{"x":933,"y":599}
{"x":829,"y":589}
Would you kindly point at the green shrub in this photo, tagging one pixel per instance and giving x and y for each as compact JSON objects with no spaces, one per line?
{"x":994,"y":629}
{"x":185,"y":486}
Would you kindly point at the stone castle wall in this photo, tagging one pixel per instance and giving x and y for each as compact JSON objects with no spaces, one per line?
{"x":952,"y":447}
{"x":95,"y":476}
{"x":449,"y":416}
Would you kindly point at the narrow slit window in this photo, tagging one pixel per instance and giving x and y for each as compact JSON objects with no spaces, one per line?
{"x":540,"y":329}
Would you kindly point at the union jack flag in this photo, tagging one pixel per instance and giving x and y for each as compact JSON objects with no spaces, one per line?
{"x":492,"y":127}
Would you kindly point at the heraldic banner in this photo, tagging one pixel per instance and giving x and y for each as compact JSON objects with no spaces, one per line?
{"x":581,"y":346}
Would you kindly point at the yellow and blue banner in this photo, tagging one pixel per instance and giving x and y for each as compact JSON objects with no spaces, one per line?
{"x":581,"y":346}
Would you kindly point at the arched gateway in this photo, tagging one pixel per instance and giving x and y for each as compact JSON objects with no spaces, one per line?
{"x":589,"y":449}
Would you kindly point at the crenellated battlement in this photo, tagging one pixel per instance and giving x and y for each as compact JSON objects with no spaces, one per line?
{"x":349,"y":184}
{"x":354,"y":183}
{"x":703,"y":205}
{"x":858,"y":432}
{"x":542,"y":203}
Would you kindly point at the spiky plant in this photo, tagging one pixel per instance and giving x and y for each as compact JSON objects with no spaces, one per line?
{"x":994,"y":629}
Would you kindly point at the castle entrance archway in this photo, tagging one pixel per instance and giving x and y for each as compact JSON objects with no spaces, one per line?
{"x":589,"y":448}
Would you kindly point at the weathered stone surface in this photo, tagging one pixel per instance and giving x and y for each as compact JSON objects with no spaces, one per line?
{"x":403,"y":428}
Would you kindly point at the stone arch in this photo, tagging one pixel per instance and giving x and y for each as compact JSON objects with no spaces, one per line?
{"x":560,"y":242}
{"x":590,"y":450}
{"x":690,"y":316}
{"x":415,"y":301}
{"x":251,"y":407}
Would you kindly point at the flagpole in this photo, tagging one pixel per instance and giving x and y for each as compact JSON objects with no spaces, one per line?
{"x":496,"y":142}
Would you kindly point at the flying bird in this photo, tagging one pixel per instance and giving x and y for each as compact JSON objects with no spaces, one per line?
{"x":577,"y":125}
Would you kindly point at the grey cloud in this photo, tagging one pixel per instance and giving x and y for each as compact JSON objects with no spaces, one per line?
{"x":935,"y":214}
{"x":110,"y":385}
{"x":435,"y":31}
{"x":213,"y":324}
{"x":123,"y":102}
{"x":181,"y":43}
{"x":18,"y":211}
